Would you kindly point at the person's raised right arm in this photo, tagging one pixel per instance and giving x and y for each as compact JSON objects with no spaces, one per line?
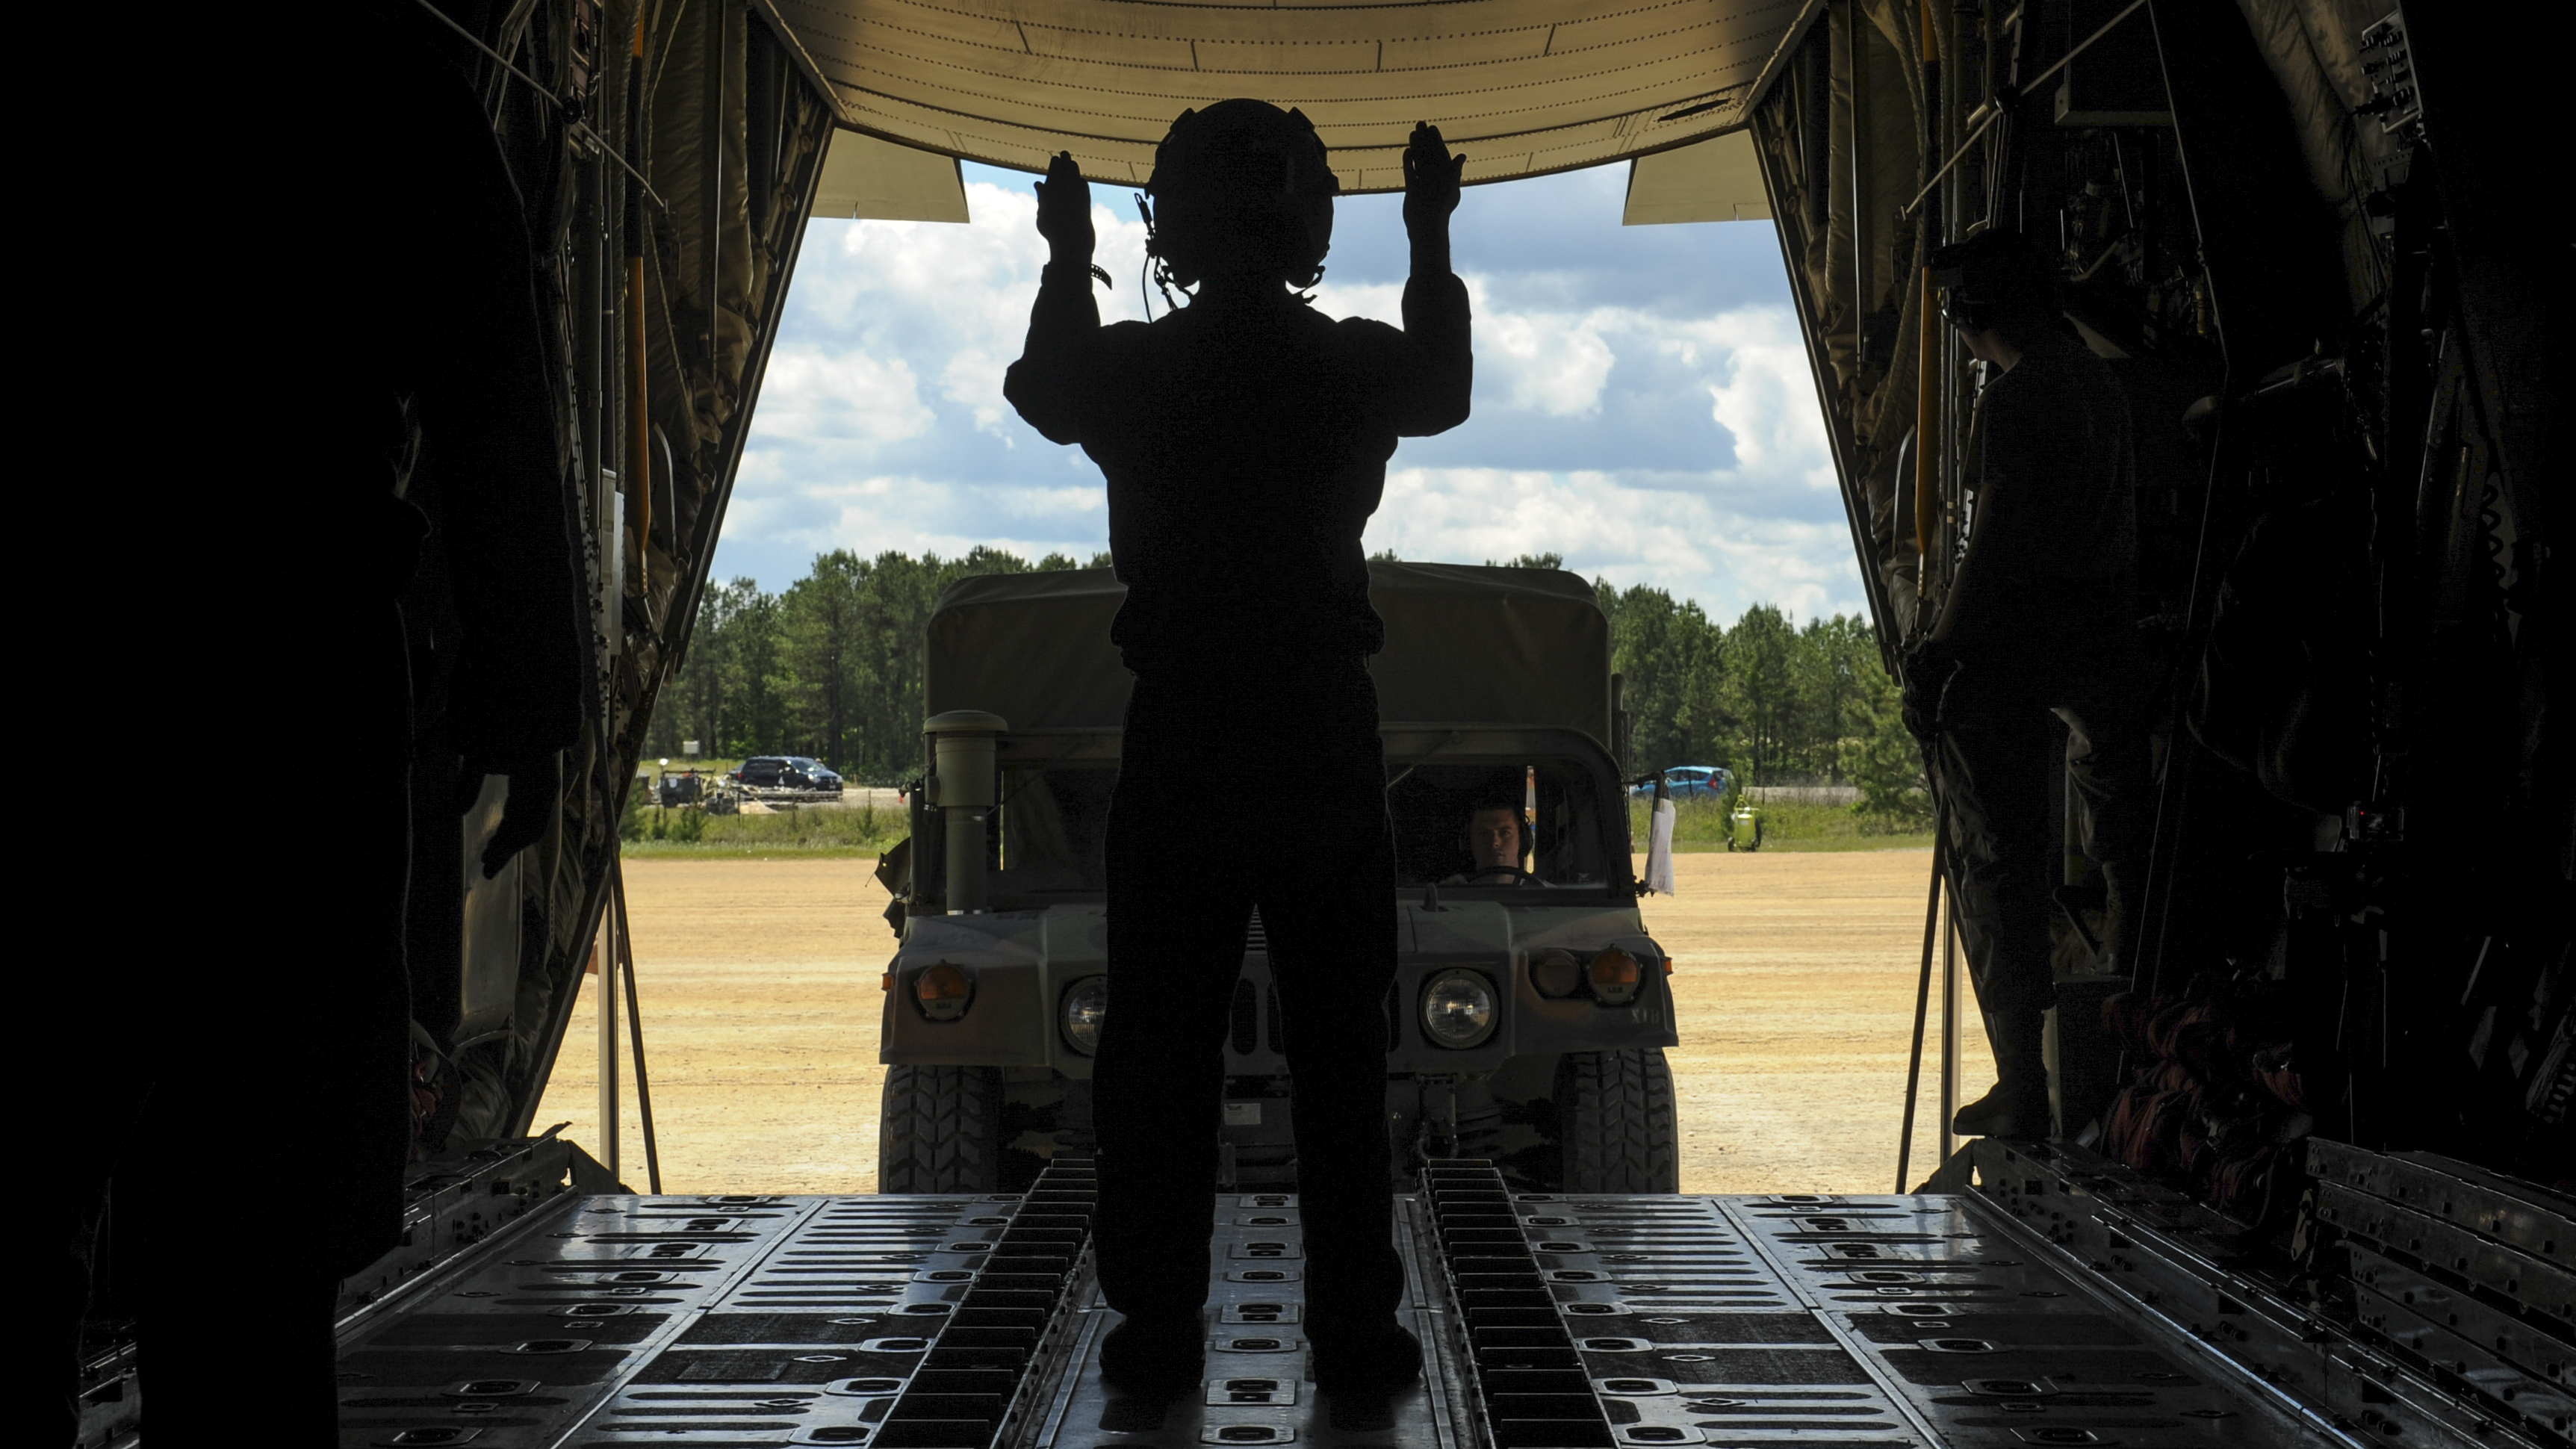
{"x":1047,"y":383}
{"x":1434,"y":397}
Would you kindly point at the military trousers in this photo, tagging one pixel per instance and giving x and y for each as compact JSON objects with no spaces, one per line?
{"x":1998,"y":747}
{"x":1237,"y":792}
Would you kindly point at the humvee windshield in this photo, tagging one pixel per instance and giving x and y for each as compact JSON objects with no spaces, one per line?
{"x":1054,"y":823}
{"x":1495,"y":684}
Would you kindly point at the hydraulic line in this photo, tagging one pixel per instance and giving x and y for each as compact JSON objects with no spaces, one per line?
{"x":603,"y":964}
{"x":639,"y":442}
{"x":639,"y":420}
{"x":1922,"y":1006}
{"x":1927,"y":417}
{"x":1993,"y":110}
{"x":1950,"y":1031}
{"x":571,"y":121}
{"x":635,"y":1025}
{"x":1927,"y":329}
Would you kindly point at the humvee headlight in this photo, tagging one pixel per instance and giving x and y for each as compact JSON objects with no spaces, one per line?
{"x":1458,"y":1008}
{"x":1085,"y":1003}
{"x":944,"y":991}
{"x":1614,"y":977}
{"x":1556,"y":972}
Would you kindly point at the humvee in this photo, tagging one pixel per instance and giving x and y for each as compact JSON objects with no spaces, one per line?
{"x":1527,"y":1022}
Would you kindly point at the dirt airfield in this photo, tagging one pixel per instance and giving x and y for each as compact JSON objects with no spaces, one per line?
{"x":1795,"y":975}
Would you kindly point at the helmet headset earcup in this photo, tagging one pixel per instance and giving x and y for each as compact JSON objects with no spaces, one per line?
{"x":1996,"y":278}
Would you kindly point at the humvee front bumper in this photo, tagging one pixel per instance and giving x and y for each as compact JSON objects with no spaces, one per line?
{"x":1024,"y":964}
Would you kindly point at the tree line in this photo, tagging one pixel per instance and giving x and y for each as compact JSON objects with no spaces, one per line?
{"x":831,"y":667}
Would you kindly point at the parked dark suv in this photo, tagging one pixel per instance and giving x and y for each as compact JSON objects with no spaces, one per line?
{"x":788,"y":772}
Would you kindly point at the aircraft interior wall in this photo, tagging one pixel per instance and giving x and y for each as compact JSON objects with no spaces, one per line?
{"x":2292,"y":269}
{"x":683,"y":267}
{"x":2311,"y":243}
{"x":2250,"y":215}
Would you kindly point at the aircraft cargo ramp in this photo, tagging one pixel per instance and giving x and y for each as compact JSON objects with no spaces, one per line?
{"x":2063,"y":1302}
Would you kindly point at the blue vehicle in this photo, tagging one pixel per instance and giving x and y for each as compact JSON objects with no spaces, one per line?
{"x":1690,"y":782}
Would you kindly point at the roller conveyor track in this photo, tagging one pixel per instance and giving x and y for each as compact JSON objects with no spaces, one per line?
{"x":1549,"y":1322}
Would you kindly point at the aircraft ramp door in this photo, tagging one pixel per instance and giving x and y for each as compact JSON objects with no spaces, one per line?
{"x":1549,"y":1322}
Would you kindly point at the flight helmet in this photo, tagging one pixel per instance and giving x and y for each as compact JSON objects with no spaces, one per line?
{"x":1997,"y":280}
{"x":1241,"y":186}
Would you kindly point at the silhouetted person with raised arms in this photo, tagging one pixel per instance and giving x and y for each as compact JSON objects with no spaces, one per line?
{"x":1245,"y":440}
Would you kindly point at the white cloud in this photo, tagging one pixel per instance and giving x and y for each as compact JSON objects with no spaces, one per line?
{"x":1551,"y":363}
{"x":1383,"y":301}
{"x":1546,"y":362}
{"x":812,"y":395}
{"x":974,"y":378}
{"x":956,"y":298}
{"x":1767,"y":396}
{"x":1687,"y":543}
{"x":1718,"y":534}
{"x":872,"y":513}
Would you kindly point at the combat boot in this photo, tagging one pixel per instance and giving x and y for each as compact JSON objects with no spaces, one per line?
{"x":2018,"y":1105}
{"x":1364,"y":1358}
{"x":1158,"y":1356}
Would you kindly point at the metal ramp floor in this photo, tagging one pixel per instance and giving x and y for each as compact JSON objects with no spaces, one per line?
{"x":1548,"y":1322}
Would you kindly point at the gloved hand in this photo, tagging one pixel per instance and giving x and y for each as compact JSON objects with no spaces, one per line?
{"x":1064,"y":211}
{"x":1430,"y":182}
{"x":536,"y":787}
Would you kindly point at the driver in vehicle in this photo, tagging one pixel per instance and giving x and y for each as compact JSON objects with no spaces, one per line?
{"x":1496,"y":838}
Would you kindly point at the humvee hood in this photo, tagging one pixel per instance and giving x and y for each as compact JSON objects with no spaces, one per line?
{"x":1493,"y":646}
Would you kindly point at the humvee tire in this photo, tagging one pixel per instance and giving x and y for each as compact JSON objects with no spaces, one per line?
{"x":940,"y":1130}
{"x":1616,"y":1129}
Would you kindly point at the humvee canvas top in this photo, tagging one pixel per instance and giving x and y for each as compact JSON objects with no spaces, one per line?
{"x":1497,"y":646}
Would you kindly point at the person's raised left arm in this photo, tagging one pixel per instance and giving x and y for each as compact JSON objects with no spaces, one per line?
{"x":1046,"y":384}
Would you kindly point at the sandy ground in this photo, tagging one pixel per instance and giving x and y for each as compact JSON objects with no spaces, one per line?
{"x":1795,"y":974}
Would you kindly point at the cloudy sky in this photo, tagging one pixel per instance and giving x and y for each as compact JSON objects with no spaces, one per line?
{"x":1642,"y":404}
